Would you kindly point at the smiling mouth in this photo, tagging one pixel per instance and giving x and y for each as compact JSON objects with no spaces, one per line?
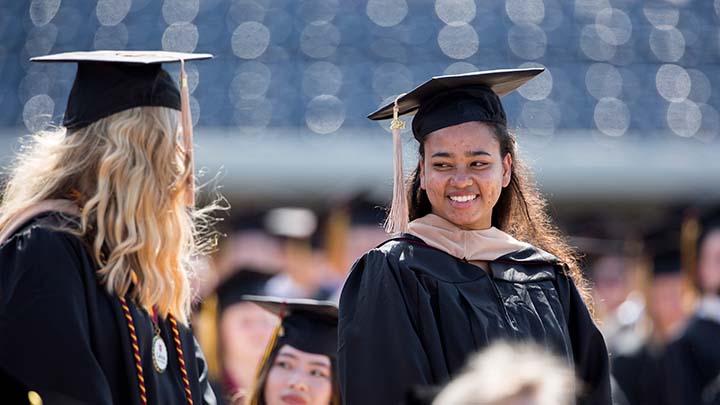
{"x":463,"y":198}
{"x":293,"y":399}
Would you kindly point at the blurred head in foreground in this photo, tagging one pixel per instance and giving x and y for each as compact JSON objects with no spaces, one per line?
{"x":507,"y":374}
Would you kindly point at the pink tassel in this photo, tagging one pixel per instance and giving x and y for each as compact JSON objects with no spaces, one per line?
{"x":187,"y":131}
{"x":397,"y":219}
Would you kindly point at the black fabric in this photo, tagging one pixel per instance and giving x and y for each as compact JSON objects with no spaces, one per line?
{"x":410,"y":315}
{"x":453,"y":107}
{"x":245,"y":281}
{"x":64,"y":336}
{"x":693,"y":362}
{"x":310,"y":333}
{"x":640,"y":374}
{"x":105,"y":88}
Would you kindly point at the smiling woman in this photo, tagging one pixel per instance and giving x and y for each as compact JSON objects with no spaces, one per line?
{"x":479,"y":260}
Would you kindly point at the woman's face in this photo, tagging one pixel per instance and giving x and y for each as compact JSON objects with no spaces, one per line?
{"x":246,"y":329}
{"x":709,"y":264}
{"x":299,"y":378}
{"x":463,"y":173}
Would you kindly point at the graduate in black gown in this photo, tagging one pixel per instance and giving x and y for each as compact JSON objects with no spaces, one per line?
{"x":97,"y":224}
{"x":478,"y":262}
{"x":300,"y":362}
{"x":693,"y":358}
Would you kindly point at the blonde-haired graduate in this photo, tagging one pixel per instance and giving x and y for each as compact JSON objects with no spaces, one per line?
{"x":97,"y":225}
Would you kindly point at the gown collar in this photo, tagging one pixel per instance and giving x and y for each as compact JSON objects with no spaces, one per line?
{"x":63,"y":206}
{"x":471,"y":245}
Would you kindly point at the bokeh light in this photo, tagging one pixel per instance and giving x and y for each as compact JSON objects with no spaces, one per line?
{"x":38,"y":112}
{"x":112,"y":12}
{"x":527,"y":41}
{"x":684,"y":118}
{"x":386,"y":13}
{"x":603,"y":80}
{"x":250,"y":40}
{"x":540,"y":87}
{"x":175,"y":11}
{"x":325,"y":114}
{"x":673,"y":83}
{"x":43,"y":11}
{"x":612,"y":116}
{"x":180,"y":37}
{"x":319,"y":40}
{"x":525,"y":11}
{"x":458,"y":41}
{"x":455,"y":11}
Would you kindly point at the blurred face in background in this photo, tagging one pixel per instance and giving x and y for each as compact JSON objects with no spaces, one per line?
{"x":610,"y":282}
{"x":463,"y":173}
{"x":299,"y":378}
{"x":246,"y":329}
{"x":666,"y":304}
{"x":709,"y":263}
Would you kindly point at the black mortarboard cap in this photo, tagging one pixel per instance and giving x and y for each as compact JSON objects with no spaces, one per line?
{"x":662,"y":246}
{"x":108,"y":82}
{"x":307,"y":325}
{"x":449,"y":100}
{"x":244,"y":282}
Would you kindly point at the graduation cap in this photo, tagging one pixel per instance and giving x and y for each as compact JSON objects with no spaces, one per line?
{"x":307,"y":325}
{"x":243,"y":283}
{"x":108,"y":82}
{"x":441,"y":102}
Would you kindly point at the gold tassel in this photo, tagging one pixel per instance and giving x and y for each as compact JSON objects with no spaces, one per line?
{"x":187,"y":130}
{"x":397,"y":219}
{"x":278,"y":332}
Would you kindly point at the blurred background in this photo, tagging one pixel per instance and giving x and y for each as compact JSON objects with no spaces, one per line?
{"x":621,"y":132}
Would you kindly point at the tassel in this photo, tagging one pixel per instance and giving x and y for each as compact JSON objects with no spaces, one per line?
{"x":187,"y":131}
{"x":277,"y":333}
{"x":397,"y":219}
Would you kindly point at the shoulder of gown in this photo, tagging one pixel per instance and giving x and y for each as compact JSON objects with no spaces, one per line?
{"x":44,"y":322}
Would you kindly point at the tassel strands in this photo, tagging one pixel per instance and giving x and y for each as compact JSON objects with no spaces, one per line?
{"x":397,"y":219}
{"x":138,"y":359}
{"x":187,"y":132}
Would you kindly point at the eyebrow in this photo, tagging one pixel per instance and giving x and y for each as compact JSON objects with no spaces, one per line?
{"x":468,"y":154}
{"x":315,"y":363}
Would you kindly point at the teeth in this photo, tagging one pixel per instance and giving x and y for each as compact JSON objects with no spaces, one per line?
{"x":463,"y":198}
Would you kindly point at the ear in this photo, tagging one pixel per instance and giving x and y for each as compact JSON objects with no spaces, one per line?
{"x":507,"y":169}
{"x":422,"y":173}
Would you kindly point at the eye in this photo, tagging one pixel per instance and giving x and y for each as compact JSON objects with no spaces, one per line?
{"x":441,"y":165}
{"x":316,"y":372}
{"x":283,"y":364}
{"x":479,"y":164}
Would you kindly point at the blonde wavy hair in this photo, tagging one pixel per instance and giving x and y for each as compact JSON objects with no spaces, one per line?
{"x":133,"y":176}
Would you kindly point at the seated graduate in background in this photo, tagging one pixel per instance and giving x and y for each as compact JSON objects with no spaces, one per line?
{"x":693,"y":358}
{"x":479,"y":261}
{"x":243,"y":332}
{"x":299,"y":365}
{"x":97,"y":226}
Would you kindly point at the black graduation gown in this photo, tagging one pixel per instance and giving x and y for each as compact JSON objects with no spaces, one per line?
{"x":410,"y":315}
{"x":693,"y":362}
{"x":64,"y":336}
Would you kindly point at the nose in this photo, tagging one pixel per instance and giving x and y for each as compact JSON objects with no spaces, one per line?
{"x":297,"y":382}
{"x":460,"y":179}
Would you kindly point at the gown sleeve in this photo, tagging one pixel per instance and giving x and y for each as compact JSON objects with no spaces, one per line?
{"x":590,"y":353}
{"x":380,"y":355}
{"x":44,"y":327}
